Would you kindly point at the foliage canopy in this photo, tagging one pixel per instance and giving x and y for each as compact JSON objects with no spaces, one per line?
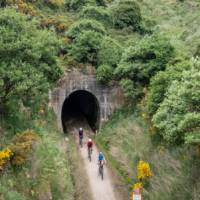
{"x":178,"y":116}
{"x":142,"y":61}
{"x":104,"y":73}
{"x":110,"y":52}
{"x":96,"y":13}
{"x":127,"y":14}
{"x":28,"y":58}
{"x":85,"y":25}
{"x":86,"y":46}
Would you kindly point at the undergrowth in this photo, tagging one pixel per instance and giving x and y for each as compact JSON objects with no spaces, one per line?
{"x":126,"y":140}
{"x":46,"y":174}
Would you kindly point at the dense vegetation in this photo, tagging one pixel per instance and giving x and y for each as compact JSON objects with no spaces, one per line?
{"x":149,"y":48}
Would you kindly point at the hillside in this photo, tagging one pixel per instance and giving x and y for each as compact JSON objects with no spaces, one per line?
{"x":126,"y":140}
{"x":178,"y":19}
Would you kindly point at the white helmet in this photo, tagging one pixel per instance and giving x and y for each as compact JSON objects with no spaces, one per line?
{"x":80,"y":129}
{"x":90,"y":140}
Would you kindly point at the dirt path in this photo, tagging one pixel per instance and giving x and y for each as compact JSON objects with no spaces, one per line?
{"x":100,"y":189}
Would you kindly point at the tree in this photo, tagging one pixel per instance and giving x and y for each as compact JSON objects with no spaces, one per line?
{"x":127,"y":14}
{"x":161,"y":81}
{"x":75,"y":5}
{"x":110,"y":52}
{"x":85,"y":25}
{"x":97,"y":13}
{"x":141,"y":62}
{"x":28,"y":59}
{"x":104,"y":73}
{"x":86,"y":46}
{"x":178,"y":116}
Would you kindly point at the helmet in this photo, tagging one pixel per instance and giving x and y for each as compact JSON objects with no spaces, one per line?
{"x":90,"y":140}
{"x":100,"y":153}
{"x":80,"y":129}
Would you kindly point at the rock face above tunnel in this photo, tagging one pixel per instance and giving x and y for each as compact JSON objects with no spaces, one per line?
{"x":108,"y":98}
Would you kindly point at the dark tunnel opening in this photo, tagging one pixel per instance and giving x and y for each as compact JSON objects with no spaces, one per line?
{"x":81,"y":105}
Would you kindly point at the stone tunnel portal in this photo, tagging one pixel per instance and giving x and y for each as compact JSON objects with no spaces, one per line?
{"x":81,"y":105}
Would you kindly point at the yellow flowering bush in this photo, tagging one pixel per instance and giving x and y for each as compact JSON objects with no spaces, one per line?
{"x":138,"y":185}
{"x":5,"y":156}
{"x":144,"y":170}
{"x":58,"y":25}
{"x":22,"y":145}
{"x":143,"y":173}
{"x":26,"y":8}
{"x":23,"y":6}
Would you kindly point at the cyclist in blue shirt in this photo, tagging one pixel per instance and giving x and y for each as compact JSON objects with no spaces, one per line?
{"x":101,"y":158}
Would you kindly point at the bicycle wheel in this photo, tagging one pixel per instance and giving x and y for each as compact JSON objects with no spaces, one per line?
{"x":102,"y":172}
{"x":81,"y":142}
{"x":89,"y":154}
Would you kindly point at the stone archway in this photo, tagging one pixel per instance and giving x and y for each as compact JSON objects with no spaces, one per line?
{"x":81,"y":105}
{"x":108,"y":98}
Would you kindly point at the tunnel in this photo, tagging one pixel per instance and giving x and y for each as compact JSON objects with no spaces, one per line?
{"x":81,"y":105}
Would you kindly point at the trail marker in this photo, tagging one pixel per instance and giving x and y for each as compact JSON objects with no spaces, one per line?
{"x":137,"y":197}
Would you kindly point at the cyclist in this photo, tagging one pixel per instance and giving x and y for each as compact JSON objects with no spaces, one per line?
{"x":101,"y":158}
{"x":89,"y":146}
{"x":101,"y":162}
{"x":80,"y":132}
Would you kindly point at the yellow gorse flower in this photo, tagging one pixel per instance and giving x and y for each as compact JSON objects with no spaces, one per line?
{"x":138,"y":185}
{"x":143,"y":170}
{"x":5,"y":156}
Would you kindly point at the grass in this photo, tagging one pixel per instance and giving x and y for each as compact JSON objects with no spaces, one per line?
{"x":126,"y":140}
{"x":47,"y":173}
{"x":180,"y":20}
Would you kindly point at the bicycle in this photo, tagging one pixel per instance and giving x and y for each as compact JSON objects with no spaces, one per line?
{"x":90,"y":154}
{"x":81,"y":142}
{"x":101,"y":169}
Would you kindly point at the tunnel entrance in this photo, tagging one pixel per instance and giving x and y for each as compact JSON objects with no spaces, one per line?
{"x":81,"y":105}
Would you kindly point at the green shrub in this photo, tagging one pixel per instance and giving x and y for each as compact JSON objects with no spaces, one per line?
{"x":126,"y":14}
{"x":29,"y":59}
{"x":13,"y":195}
{"x":59,"y":23}
{"x":160,"y":83}
{"x":96,"y":13}
{"x":86,"y":46}
{"x":178,"y":116}
{"x":101,"y":2}
{"x":55,"y":3}
{"x":85,"y":25}
{"x":158,"y":87}
{"x":104,"y":73}
{"x":139,"y":63}
{"x":75,"y":5}
{"x":110,"y":52}
{"x":131,"y":90}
